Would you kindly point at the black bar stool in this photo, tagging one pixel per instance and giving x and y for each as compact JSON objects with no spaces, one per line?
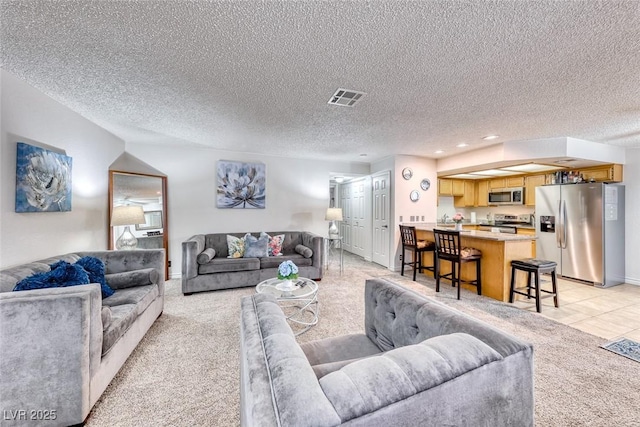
{"x":417,"y":247}
{"x":448,"y":248}
{"x":536,"y":267}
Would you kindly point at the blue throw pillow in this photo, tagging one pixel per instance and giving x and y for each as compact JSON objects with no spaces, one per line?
{"x":95,"y":269}
{"x":62,"y":274}
{"x":256,"y":248}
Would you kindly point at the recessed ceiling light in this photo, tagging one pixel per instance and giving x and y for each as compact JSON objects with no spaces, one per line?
{"x":462,"y":145}
{"x":490,"y":137}
{"x":439,"y":151}
{"x":339,"y":179}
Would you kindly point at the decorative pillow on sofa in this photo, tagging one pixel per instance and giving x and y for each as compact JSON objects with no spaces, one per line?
{"x":275,"y":243}
{"x":95,"y":269}
{"x":206,"y":256}
{"x":62,"y":274}
{"x":235,"y":246}
{"x":256,"y":248}
{"x":304,"y":251}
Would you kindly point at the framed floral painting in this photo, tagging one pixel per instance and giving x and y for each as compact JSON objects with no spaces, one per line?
{"x":241,"y":185}
{"x":43,"y":180}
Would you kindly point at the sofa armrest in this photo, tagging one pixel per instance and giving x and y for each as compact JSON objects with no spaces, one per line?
{"x":316,"y":244}
{"x":191,"y":248}
{"x":50,"y":347}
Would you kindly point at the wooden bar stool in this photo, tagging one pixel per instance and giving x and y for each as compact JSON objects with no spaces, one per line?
{"x":448,"y":248}
{"x":417,"y":247}
{"x":536,"y":267}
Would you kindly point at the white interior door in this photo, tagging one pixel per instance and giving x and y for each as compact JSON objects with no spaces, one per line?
{"x":361,"y":217}
{"x":345,"y":225}
{"x":381,"y":211}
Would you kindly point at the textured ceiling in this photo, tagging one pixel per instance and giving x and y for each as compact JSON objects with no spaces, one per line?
{"x":256,"y":76}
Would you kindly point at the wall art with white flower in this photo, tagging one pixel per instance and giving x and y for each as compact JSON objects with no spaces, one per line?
{"x":241,"y":185}
{"x":43,"y":180}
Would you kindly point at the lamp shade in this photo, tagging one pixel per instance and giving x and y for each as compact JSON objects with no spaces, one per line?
{"x":333,"y":214}
{"x":127,"y":215}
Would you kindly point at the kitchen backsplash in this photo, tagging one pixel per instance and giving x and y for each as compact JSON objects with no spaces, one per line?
{"x":445,"y":206}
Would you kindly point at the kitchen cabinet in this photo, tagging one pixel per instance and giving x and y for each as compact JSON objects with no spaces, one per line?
{"x":609,"y":173}
{"x":497,"y":183}
{"x":450,"y":187}
{"x":468,"y":198}
{"x":482,"y":193}
{"x":531,"y":182}
{"x":508,"y":182}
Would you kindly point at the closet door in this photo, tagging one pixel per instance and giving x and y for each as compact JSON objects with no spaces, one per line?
{"x":381,"y":214}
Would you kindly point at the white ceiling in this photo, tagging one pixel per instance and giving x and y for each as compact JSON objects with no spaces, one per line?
{"x":256,"y":76}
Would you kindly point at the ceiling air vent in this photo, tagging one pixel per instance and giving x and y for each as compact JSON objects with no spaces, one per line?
{"x":346,"y":97}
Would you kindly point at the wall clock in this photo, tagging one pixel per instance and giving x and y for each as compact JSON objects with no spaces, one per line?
{"x":414,"y":196}
{"x":425,"y":184}
{"x":407,"y":173}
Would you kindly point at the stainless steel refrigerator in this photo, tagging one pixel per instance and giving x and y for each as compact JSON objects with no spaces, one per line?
{"x":581,"y":227}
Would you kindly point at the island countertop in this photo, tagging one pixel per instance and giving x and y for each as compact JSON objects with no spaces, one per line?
{"x":477,"y":234}
{"x":498,"y":250}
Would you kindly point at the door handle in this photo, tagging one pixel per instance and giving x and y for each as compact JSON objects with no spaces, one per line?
{"x":559,"y":225}
{"x":564,"y":224}
{"x":385,"y":226}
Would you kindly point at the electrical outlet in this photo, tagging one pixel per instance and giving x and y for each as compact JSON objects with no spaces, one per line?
{"x":400,"y":257}
{"x":400,"y":218}
{"x":422,"y":218}
{"x":169,"y":264}
{"x":412,"y":218}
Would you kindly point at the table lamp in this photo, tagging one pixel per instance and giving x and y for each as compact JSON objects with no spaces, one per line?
{"x":333,"y":215}
{"x":127,"y":215}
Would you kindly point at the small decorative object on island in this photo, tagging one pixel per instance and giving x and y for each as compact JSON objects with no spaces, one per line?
{"x":287,"y":272}
{"x":457,"y":218}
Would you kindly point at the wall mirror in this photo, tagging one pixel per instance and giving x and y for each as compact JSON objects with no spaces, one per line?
{"x":145,"y":196}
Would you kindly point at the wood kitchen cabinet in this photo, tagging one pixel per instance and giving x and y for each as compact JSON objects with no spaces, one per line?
{"x":609,"y":173}
{"x":450,"y":187}
{"x":531,"y":182}
{"x":468,"y":198}
{"x":508,"y":182}
{"x":497,"y":183}
{"x":482,"y":193}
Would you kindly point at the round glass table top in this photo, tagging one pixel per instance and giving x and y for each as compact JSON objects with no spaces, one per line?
{"x":303,"y":288}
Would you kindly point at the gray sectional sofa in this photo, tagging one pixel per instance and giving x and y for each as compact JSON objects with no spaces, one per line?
{"x":61,"y":347}
{"x":419,"y":363}
{"x":220,"y":272}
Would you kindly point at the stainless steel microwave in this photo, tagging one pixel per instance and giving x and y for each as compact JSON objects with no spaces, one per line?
{"x":506,"y":196}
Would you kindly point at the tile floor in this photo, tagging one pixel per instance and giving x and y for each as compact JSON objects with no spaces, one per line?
{"x":609,"y":313}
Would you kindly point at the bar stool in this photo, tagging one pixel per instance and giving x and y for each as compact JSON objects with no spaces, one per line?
{"x":417,"y":247}
{"x":448,"y":248}
{"x":536,"y":267}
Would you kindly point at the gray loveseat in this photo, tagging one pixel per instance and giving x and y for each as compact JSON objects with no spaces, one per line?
{"x":61,"y":347}
{"x":220,"y":272}
{"x":419,"y":363}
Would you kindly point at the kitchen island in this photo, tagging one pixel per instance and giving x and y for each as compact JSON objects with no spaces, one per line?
{"x":498,"y":250}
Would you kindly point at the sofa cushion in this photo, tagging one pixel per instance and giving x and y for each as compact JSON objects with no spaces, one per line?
{"x":370,"y":384}
{"x":95,"y":269}
{"x":221,"y":265}
{"x":106,"y":317}
{"x":141,"y":296}
{"x":235,"y":246}
{"x":256,"y":247}
{"x":122,"y":317}
{"x":304,"y":251}
{"x":274,"y":262}
{"x":331,"y":354}
{"x":206,"y":256}
{"x":128,"y":279}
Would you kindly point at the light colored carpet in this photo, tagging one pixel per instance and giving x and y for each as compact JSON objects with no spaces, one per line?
{"x":185,"y":372}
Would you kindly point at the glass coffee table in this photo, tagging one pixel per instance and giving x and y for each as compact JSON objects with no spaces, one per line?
{"x":300,"y":304}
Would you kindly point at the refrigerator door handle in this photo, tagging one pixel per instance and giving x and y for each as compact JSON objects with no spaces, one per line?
{"x":564,"y":224}
{"x":559,"y":225}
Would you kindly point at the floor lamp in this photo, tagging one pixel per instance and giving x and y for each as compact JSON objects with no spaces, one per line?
{"x":127,"y":216}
